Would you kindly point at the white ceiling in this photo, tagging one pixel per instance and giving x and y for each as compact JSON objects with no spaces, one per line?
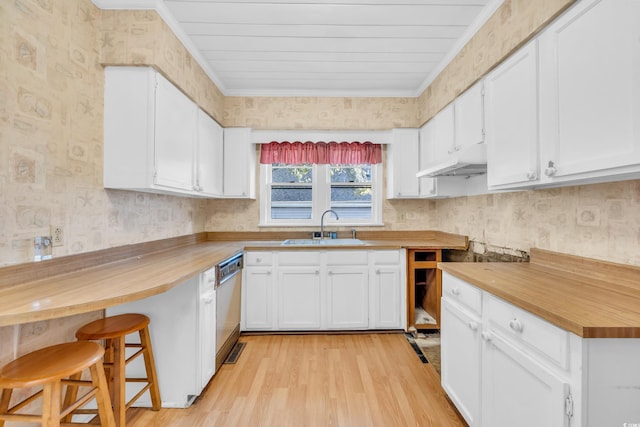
{"x":320,"y":47}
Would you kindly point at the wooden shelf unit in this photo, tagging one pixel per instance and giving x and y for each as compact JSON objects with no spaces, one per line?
{"x":424,"y":283}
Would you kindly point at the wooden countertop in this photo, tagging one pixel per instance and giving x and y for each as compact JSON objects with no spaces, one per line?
{"x":93,"y":281}
{"x":591,"y":298}
{"x":110,"y":284}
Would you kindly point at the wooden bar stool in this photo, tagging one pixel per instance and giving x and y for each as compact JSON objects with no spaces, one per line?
{"x":113,"y":330}
{"x":49,"y":367}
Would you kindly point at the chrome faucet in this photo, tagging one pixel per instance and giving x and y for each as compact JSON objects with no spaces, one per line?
{"x":322,"y":221}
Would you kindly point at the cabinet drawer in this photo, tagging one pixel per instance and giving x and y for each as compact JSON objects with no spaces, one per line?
{"x":347,"y":257}
{"x":529,"y":329}
{"x":258,"y":258}
{"x":386,"y":257}
{"x":458,"y":290}
{"x":299,"y":258}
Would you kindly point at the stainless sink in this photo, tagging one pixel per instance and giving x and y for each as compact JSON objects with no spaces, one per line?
{"x":322,"y":242}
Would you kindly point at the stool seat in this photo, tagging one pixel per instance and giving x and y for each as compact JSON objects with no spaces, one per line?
{"x":50,"y":364}
{"x":119,"y":352}
{"x":52,"y":368}
{"x":113,"y":327}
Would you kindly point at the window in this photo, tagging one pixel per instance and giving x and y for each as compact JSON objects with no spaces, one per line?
{"x":299,"y":194}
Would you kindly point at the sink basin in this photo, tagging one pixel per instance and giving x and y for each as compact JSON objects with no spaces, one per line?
{"x":323,"y":242}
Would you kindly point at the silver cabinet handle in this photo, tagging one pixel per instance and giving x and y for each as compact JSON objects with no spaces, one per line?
{"x":516,"y":325}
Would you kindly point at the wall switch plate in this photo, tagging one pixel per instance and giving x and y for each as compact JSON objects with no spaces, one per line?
{"x":57,"y":235}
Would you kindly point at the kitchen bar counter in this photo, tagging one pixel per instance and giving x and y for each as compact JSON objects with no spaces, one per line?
{"x":93,"y":281}
{"x":591,"y":298}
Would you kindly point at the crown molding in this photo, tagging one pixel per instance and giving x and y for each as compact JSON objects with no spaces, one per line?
{"x":489,"y":9}
{"x":161,"y":8}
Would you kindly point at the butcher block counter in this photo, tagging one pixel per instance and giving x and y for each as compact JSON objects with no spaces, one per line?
{"x":93,"y":281}
{"x":591,"y":298}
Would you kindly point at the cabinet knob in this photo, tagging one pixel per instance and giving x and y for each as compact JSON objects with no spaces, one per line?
{"x":317,"y":272}
{"x":473,"y":326}
{"x":269,"y":273}
{"x":455,"y":291}
{"x":258,"y":259}
{"x":377,"y":271}
{"x":330,"y":273}
{"x":486,"y":336}
{"x":532,"y":175}
{"x":551,"y":169}
{"x":516,"y":325}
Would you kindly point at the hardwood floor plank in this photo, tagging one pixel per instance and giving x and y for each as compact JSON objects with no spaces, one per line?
{"x":317,"y":380}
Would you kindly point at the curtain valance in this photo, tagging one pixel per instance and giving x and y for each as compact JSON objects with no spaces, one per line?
{"x":338,"y":153}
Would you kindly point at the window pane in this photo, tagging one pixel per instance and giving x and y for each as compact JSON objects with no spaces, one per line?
{"x":291,"y":174}
{"x":352,"y":201}
{"x":351,"y":173}
{"x":289,"y":202}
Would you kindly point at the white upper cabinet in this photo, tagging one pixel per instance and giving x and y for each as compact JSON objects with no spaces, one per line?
{"x":511,"y":102}
{"x":402,"y":164}
{"x":209,"y":156}
{"x":239,"y":164}
{"x":590,"y":91}
{"x":443,"y":134}
{"x":469,"y":117}
{"x":175,"y":136}
{"x":156,"y":139}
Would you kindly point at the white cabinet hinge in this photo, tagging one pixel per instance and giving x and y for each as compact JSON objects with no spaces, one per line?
{"x":568,"y":406}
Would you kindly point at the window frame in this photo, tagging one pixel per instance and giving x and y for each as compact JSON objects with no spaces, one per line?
{"x":321,"y":200}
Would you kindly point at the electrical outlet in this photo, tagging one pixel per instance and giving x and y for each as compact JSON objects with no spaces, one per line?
{"x":57,"y":235}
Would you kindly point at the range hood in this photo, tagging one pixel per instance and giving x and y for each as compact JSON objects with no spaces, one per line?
{"x":469,"y":161}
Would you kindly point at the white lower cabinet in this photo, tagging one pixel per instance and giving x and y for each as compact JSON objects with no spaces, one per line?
{"x":348,"y":297}
{"x":460,"y":346}
{"x":324,"y":290}
{"x":503,"y":366}
{"x":257,"y":290}
{"x":518,"y":390}
{"x":299,"y":298}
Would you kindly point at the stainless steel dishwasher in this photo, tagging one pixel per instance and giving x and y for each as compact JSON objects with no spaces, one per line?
{"x":228,"y":292}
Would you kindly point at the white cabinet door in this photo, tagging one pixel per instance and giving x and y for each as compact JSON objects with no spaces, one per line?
{"x":443,"y":134}
{"x":239,"y":164}
{"x":469,"y":117}
{"x":403,"y":163}
{"x":461,"y":361}
{"x":518,"y":391}
{"x":511,"y":101}
{"x":387,"y":297}
{"x":348,"y":297}
{"x":207,"y":330}
{"x":175,"y":135}
{"x":257,"y":296}
{"x":590,"y":81}
{"x":299,"y":298}
{"x":209,"y":156}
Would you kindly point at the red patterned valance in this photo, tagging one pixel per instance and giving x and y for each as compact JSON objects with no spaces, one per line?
{"x":337,"y":153}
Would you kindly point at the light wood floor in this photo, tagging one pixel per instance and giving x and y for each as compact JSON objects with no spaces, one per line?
{"x":317,"y":380}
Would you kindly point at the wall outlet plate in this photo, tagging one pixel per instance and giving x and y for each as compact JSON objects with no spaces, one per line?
{"x":316,"y":235}
{"x":57,"y":235}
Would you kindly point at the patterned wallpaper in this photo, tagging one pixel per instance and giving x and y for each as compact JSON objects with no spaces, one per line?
{"x":51,"y":113}
{"x":515,"y":22}
{"x":320,"y":113}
